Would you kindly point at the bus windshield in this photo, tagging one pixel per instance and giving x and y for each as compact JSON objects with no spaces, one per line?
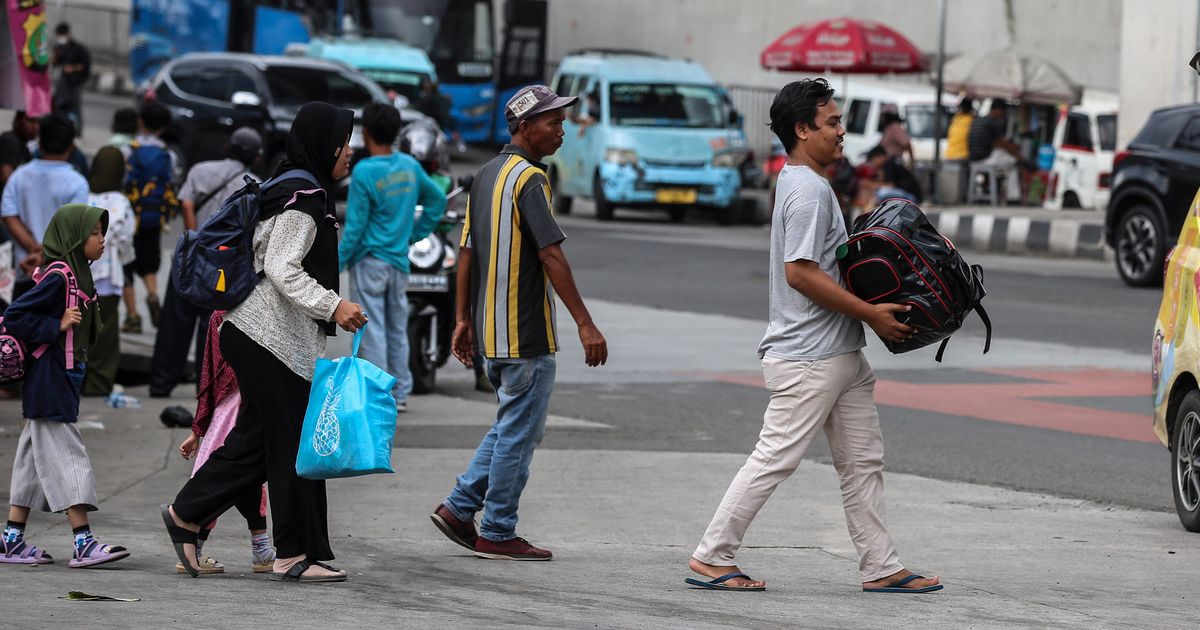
{"x":457,"y":34}
{"x":666,"y":105}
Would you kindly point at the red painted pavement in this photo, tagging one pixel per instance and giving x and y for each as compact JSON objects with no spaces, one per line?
{"x":1021,"y":404}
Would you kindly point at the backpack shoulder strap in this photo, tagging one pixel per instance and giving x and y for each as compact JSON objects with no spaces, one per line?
{"x":296,"y":173}
{"x":74,"y":297}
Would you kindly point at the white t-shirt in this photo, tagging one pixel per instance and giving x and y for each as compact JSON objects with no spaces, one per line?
{"x":108,"y":272}
{"x":807,"y":224}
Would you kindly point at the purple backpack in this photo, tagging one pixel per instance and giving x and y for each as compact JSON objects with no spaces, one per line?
{"x":14,"y":356}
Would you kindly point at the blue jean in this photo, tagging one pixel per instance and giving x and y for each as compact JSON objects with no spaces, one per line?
{"x":497,"y":473}
{"x":380,"y":288}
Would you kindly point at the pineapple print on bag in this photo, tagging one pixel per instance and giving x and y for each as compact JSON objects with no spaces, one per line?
{"x":327,"y":436}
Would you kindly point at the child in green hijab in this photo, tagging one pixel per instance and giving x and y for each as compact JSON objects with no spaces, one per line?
{"x":51,"y":470}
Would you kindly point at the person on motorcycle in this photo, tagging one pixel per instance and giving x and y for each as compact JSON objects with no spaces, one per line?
{"x":425,"y":142}
{"x":381,"y":221}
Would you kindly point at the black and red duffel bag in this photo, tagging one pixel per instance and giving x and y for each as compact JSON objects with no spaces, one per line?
{"x":896,"y":255}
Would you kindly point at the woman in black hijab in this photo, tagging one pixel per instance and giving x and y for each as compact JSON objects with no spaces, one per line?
{"x":272,"y":341}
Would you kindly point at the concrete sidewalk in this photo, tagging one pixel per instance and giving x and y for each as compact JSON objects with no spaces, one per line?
{"x":622,"y":525}
{"x":1023,"y":231}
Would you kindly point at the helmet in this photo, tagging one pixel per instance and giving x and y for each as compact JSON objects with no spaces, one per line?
{"x":423,"y":141}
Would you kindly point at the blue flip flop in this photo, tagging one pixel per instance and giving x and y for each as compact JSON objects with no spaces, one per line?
{"x":720,"y":585}
{"x":898,"y":587}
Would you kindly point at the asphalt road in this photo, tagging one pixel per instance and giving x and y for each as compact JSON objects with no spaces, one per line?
{"x":1064,"y":306}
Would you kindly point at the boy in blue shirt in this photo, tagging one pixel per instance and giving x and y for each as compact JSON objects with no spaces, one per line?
{"x":385,"y":189}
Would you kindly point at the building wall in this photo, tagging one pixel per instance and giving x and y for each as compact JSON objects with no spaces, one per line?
{"x":1153,"y":65}
{"x":726,"y":36}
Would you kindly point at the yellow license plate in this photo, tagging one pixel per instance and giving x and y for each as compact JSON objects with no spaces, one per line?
{"x":675,"y":195}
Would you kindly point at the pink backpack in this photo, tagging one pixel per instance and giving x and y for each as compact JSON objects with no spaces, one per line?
{"x":14,"y":356}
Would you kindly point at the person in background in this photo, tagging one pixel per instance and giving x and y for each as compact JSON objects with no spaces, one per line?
{"x":957,"y":149}
{"x":14,"y":145}
{"x":896,"y":141}
{"x":381,"y":222}
{"x":884,"y":179}
{"x":150,"y":188}
{"x":73,"y":64}
{"x":124,"y":127}
{"x":207,"y":186}
{"x":107,"y":182}
{"x":436,"y":105}
{"x":959,"y":129}
{"x":36,"y":191}
{"x":988,"y":146}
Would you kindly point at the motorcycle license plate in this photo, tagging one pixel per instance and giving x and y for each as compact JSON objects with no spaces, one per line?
{"x":428,"y":282}
{"x":675,"y":195}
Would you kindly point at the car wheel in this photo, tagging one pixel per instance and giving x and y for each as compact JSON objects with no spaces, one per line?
{"x":1141,"y":247}
{"x":604,"y":207}
{"x":562,"y":203}
{"x":728,"y":215}
{"x":1071,"y":200}
{"x":678,"y":213}
{"x":1185,"y":462}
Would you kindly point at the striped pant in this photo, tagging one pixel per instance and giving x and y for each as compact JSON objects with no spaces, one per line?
{"x":52,"y":471}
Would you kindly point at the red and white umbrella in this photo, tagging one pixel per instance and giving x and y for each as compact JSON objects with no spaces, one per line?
{"x":843,"y":45}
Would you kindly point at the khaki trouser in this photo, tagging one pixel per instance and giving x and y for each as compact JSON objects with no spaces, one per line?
{"x":837,"y":395}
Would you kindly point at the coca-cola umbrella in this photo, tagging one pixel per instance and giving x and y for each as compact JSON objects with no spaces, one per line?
{"x":843,"y":45}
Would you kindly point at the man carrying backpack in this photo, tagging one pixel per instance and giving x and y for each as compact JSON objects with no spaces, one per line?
{"x":813,"y":362}
{"x":151,"y":190}
{"x":207,"y":186}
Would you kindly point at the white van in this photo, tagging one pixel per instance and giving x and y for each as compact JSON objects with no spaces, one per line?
{"x":1085,"y":140}
{"x":865,"y":101}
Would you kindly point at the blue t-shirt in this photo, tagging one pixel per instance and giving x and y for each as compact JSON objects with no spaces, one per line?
{"x":36,"y":191}
{"x":384,"y":193}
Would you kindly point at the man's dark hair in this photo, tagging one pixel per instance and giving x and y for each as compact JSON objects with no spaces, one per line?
{"x":966,"y":106}
{"x":381,"y":122}
{"x":875,"y":152}
{"x":246,"y":157}
{"x":62,"y":29}
{"x":887,"y":118}
{"x":797,"y":102}
{"x":154,"y":116}
{"x":125,"y":121}
{"x":56,"y":134}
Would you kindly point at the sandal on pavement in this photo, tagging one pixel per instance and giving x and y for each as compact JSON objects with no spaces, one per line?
{"x":719,"y":584}
{"x":899,"y":587}
{"x":179,"y":538}
{"x":208,"y":566}
{"x":296,"y":573}
{"x":95,"y":554}
{"x":23,"y":553}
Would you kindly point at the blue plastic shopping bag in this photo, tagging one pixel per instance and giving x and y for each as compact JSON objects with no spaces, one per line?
{"x":351,"y":419}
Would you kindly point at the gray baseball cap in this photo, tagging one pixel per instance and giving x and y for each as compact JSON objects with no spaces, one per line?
{"x":246,"y":139}
{"x":532,"y":100}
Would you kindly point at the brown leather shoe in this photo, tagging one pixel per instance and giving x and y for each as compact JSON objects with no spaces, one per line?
{"x":461,"y":532}
{"x":515,"y":549}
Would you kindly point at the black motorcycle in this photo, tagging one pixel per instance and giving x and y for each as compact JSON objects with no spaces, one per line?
{"x":433,"y":263}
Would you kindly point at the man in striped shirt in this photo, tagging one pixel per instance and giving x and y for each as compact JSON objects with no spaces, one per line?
{"x":509,"y":268}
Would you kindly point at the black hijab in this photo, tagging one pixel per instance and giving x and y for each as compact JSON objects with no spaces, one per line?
{"x":315,"y":142}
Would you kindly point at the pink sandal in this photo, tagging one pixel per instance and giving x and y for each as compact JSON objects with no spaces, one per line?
{"x":94,"y":554}
{"x":23,"y":553}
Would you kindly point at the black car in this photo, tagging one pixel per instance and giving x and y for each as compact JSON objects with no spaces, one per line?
{"x":211,"y":94}
{"x":1153,"y":183}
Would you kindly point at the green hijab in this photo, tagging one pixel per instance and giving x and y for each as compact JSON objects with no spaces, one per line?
{"x":65,"y":237}
{"x":107,"y":171}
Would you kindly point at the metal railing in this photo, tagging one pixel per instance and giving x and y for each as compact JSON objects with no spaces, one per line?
{"x":104,"y":30}
{"x":754,"y":103}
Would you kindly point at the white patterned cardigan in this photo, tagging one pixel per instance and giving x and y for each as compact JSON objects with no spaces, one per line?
{"x":279,"y":313}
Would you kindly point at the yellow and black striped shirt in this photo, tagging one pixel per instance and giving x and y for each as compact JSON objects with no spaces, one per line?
{"x":509,"y":219}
